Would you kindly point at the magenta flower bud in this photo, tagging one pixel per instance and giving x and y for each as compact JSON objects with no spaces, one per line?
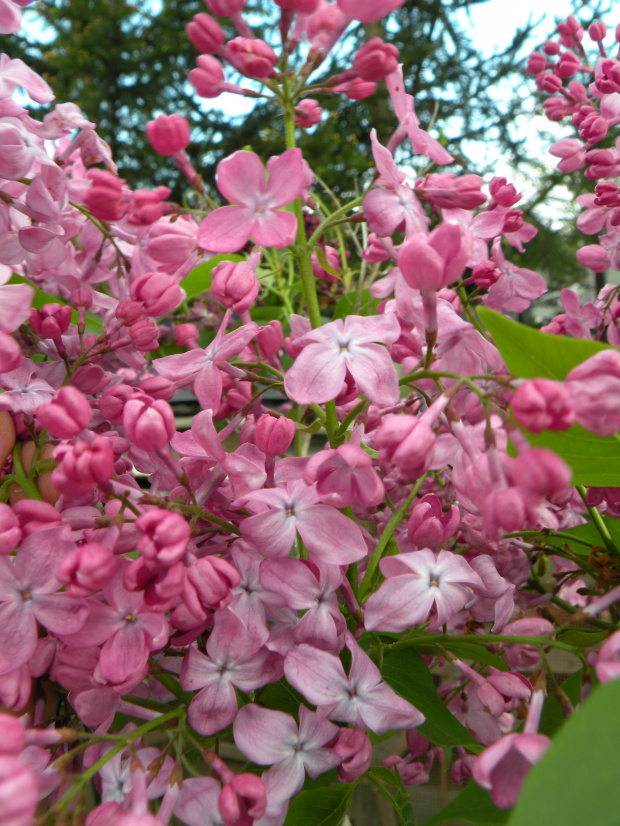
{"x":113,"y":400}
{"x":405,"y":442}
{"x":87,"y":569}
{"x":356,"y":88}
{"x":536,"y":63}
{"x":234,"y":285}
{"x":225,"y":8}
{"x":504,"y":193}
{"x":146,"y":207}
{"x":375,"y":60}
{"x":307,"y":113}
{"x":430,"y":262}
{"x":105,"y":198}
{"x":333,"y":259}
{"x":157,"y":387}
{"x":208,"y":79}
{"x":429,"y":526}
{"x":89,"y":379}
{"x":270,"y":339}
{"x":548,"y":82}
{"x":594,"y":388}
{"x":595,"y":257}
{"x":206,"y":35}
{"x":164,"y":537}
{"x":597,"y":31}
{"x":185,"y":335}
{"x":82,"y":298}
{"x":144,"y":335}
{"x":11,"y":355}
{"x":593,"y":129}
{"x":503,"y":767}
{"x":168,"y":134}
{"x":343,"y":476}
{"x":485,"y":274}
{"x":149,"y":424}
{"x":568,"y":65}
{"x":253,"y":58}
{"x":542,"y":472}
{"x":542,"y":404}
{"x":66,"y":415}
{"x":10,"y":531}
{"x":274,"y":436}
{"x":19,"y":792}
{"x":607,"y":76}
{"x":243,"y":800}
{"x":355,"y":750}
{"x":551,"y":48}
{"x":130,"y":312}
{"x":160,"y":293}
{"x":51,"y":321}
{"x":298,"y":6}
{"x":82,"y":465}
{"x":213,"y":579}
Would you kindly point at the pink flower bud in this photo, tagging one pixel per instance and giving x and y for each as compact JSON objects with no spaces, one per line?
{"x":344,"y":476}
{"x":11,"y":355}
{"x":213,"y":579}
{"x":234,"y":285}
{"x":82,"y":465}
{"x":243,"y":800}
{"x":113,"y":401}
{"x":144,"y":335}
{"x":568,"y":65}
{"x":146,"y":207}
{"x":208,"y":79}
{"x":593,"y":129}
{"x":51,"y":321}
{"x":10,"y":531}
{"x":571,"y":32}
{"x":307,"y":113}
{"x":274,"y":435}
{"x":168,"y":134}
{"x":157,"y":387}
{"x":485,"y":274}
{"x":406,"y":442}
{"x":542,"y":404}
{"x":82,"y":298}
{"x":548,"y":82}
{"x":355,"y":88}
{"x":542,"y":472}
{"x":87,"y":569}
{"x":66,"y":415}
{"x":607,"y":76}
{"x":185,"y":335}
{"x":149,"y":424}
{"x":355,"y":750}
{"x":36,"y":516}
{"x":13,"y":735}
{"x":130,"y":312}
{"x":19,"y":793}
{"x":298,"y":6}
{"x":597,"y":31}
{"x":375,"y":60}
{"x":551,"y":48}
{"x":536,"y":63}
{"x":206,"y":35}
{"x":595,"y":257}
{"x":594,"y":389}
{"x":430,"y":262}
{"x":225,"y":8}
{"x":105,"y":198}
{"x":253,"y":58}
{"x":504,"y":193}
{"x":164,"y":537}
{"x":429,"y":526}
{"x":160,"y":293}
{"x":270,"y":339}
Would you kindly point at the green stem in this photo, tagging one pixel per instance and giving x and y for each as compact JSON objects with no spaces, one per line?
{"x":333,"y":218}
{"x":597,"y":519}
{"x":25,"y":483}
{"x":89,"y":773}
{"x":385,"y":537}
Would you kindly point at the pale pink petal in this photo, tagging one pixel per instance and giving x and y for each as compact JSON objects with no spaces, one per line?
{"x":10,"y":17}
{"x":124,"y":654}
{"x":374,"y":373}
{"x":318,"y":675}
{"x":241,"y":178}
{"x":317,"y":375}
{"x":330,"y":536}
{"x":226,"y":229}
{"x":213,"y":708}
{"x":18,"y":635}
{"x":274,"y":228}
{"x":286,"y":178}
{"x":15,"y":303}
{"x":401,"y":602}
{"x":272,"y":532}
{"x":263,"y":735}
{"x":61,"y":614}
{"x":16,"y":71}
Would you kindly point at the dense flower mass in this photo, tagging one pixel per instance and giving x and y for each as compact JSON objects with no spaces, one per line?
{"x":373,"y":485}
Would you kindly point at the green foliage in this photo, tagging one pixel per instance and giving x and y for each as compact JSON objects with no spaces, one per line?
{"x":472,"y":805}
{"x":576,"y":780}
{"x":320,"y":807}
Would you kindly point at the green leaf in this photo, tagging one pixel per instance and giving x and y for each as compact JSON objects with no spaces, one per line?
{"x":407,"y":673}
{"x":552,"y":716}
{"x":582,"y":637}
{"x":473,"y":805}
{"x":530,"y":354}
{"x":576,"y":781}
{"x":281,"y":696}
{"x":198,"y":281}
{"x":320,"y":807}
{"x":473,"y":651}
{"x":594,"y":460}
{"x":41,"y":298}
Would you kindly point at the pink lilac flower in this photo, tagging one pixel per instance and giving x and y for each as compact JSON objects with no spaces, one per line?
{"x":241,"y":179}
{"x":416,"y":582}
{"x":329,"y":536}
{"x":516,"y":287}
{"x":273,"y":738}
{"x":329,"y":352}
{"x":360,"y":698}
{"x":28,"y":594}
